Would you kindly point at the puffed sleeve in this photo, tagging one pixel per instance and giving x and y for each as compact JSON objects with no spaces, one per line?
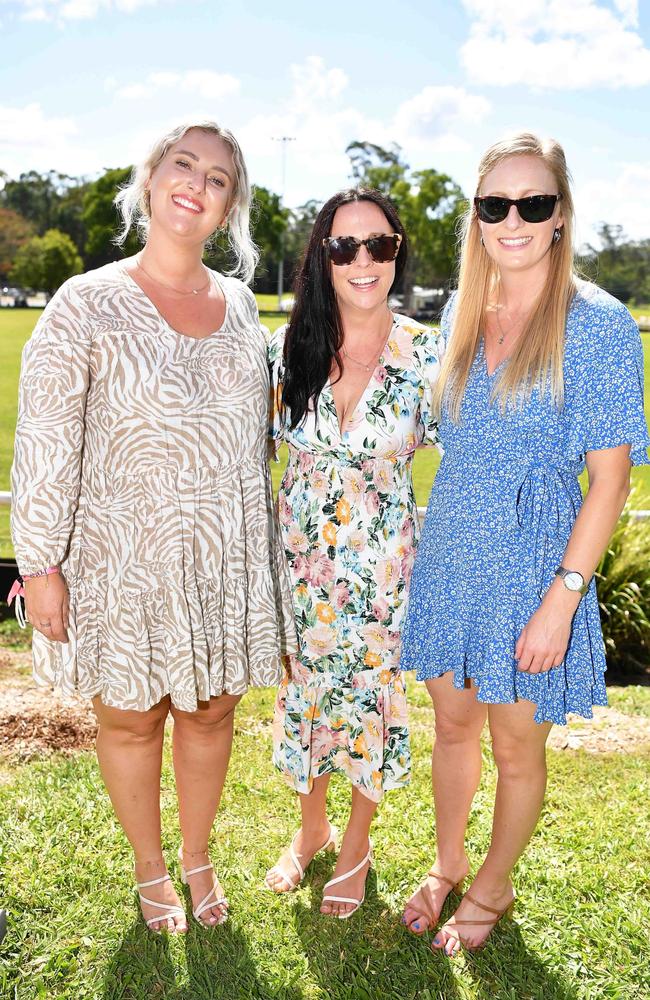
{"x":427,"y":355}
{"x":275,"y":347}
{"x":45,"y":475}
{"x":609,"y":396}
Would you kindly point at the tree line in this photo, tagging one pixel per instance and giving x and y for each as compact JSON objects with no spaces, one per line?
{"x":53,"y":226}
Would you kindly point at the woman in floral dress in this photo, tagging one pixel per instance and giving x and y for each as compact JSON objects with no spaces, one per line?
{"x":353,"y":386}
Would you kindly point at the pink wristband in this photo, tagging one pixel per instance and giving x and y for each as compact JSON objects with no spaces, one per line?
{"x":43,"y":572}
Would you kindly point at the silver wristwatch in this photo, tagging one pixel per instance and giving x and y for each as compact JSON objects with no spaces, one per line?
{"x":572,"y":580}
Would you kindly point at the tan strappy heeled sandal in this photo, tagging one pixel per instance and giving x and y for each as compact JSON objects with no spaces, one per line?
{"x":427,"y":907}
{"x":497,"y":915}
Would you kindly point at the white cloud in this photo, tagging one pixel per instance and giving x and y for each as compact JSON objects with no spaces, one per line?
{"x":77,"y":10}
{"x":28,"y":126}
{"x":630,"y":11}
{"x":617,"y":200}
{"x":315,"y":85}
{"x":32,"y":140}
{"x":200,"y":83}
{"x":432,"y":118}
{"x":320,"y":116}
{"x":555,"y":45}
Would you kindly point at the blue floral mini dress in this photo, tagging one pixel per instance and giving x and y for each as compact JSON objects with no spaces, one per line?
{"x":502,"y":508}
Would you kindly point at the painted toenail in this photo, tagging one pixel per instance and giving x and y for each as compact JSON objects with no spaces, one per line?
{"x":417,"y":925}
{"x":436,"y":940}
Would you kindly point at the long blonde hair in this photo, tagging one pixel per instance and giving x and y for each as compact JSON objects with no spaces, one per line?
{"x":133,"y":203}
{"x":538,"y":354}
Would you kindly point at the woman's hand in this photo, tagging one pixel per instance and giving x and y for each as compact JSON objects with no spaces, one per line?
{"x":544,"y":640}
{"x":47,"y":605}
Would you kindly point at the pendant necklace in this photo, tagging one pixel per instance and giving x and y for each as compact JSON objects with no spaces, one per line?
{"x":503,"y":336}
{"x":504,"y":333}
{"x":157,"y":281}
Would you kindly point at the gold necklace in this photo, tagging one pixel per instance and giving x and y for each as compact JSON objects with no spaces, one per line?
{"x":157,"y":281}
{"x":370,"y":367}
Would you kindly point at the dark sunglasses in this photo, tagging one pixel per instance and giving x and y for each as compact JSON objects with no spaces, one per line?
{"x":344,"y":249}
{"x":537,"y":208}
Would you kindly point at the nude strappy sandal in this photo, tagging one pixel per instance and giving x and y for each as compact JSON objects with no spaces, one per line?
{"x":348,"y":899}
{"x":298,"y":876}
{"x":206,"y":903}
{"x":169,"y":909}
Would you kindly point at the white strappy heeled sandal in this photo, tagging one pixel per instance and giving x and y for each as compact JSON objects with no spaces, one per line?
{"x":348,"y":899}
{"x":169,"y":909}
{"x":293,"y":883}
{"x":206,"y":903}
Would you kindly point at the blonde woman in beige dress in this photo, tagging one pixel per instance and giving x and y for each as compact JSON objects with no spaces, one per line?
{"x":143,"y":519}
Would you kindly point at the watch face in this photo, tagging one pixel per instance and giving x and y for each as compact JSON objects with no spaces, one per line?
{"x":574,"y":581}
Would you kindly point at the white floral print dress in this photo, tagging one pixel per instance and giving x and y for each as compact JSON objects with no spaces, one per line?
{"x":349,"y":523}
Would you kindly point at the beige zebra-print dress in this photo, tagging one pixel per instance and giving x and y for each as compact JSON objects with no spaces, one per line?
{"x":141,"y":467}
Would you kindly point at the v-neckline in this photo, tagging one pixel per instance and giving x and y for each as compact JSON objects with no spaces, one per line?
{"x":364,"y":391}
{"x":483,"y":359}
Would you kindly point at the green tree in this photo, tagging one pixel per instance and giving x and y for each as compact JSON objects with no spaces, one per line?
{"x":621,"y":266}
{"x":48,"y":201}
{"x":14,"y":232}
{"x":70,"y":217}
{"x":301,"y":222}
{"x":102,"y":220}
{"x":269,"y":226}
{"x":36,"y":197}
{"x":45,"y":262}
{"x":429,"y":203}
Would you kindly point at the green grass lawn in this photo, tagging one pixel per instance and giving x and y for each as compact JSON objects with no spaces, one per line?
{"x":580,"y":930}
{"x":16,"y":326}
{"x":268,"y":302}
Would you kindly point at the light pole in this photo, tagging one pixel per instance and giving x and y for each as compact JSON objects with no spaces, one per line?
{"x":283,"y":140}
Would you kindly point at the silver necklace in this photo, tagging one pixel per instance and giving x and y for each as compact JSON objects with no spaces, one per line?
{"x":179,"y":291}
{"x":503,"y":333}
{"x":372,"y":364}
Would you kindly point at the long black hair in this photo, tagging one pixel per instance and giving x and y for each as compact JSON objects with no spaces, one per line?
{"x":314,"y":335}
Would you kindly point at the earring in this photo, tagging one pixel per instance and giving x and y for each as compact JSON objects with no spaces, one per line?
{"x":557,"y":235}
{"x":482,"y":242}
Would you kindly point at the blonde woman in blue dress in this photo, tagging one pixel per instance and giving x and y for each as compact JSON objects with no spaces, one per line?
{"x":542,"y":376}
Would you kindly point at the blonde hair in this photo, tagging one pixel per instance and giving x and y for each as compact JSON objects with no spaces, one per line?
{"x":132,"y":200}
{"x":538,"y":355}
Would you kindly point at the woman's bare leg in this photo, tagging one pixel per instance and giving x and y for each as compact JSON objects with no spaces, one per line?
{"x":310,"y":837}
{"x":455,"y":772}
{"x":353,"y":849}
{"x":519,"y":746}
{"x":129,"y":750}
{"x":202,"y":742}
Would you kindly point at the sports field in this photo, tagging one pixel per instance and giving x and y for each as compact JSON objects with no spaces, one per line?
{"x":17,"y":324}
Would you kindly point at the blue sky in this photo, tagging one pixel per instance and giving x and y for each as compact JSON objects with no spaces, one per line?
{"x":87,"y":84}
